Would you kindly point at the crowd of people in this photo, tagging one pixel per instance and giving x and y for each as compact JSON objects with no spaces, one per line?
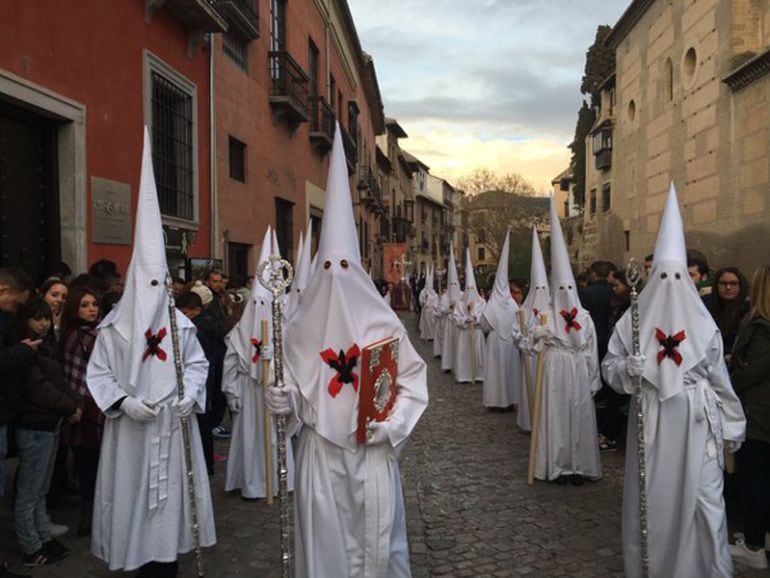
{"x":703,"y":365}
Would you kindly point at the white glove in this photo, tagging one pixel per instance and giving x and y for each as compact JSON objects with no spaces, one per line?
{"x":525,"y":344}
{"x":635,"y":365}
{"x":732,"y":446}
{"x":266,"y":352}
{"x":376,"y":433}
{"x":278,"y":400}
{"x":539,"y":332}
{"x":138,"y":410}
{"x":183,"y":407}
{"x":234,"y":403}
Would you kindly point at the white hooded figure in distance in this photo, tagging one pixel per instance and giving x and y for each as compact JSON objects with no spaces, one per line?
{"x":690,"y":414}
{"x":141,"y":507}
{"x":538,"y":301}
{"x":243,"y":384}
{"x":452,"y":304}
{"x":502,"y":375}
{"x":431,"y":304}
{"x":302,"y":271}
{"x":470,"y":337}
{"x":567,"y":440}
{"x":422,"y":298}
{"x":349,"y":510}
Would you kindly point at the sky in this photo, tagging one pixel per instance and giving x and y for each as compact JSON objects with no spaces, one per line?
{"x":483,"y":83}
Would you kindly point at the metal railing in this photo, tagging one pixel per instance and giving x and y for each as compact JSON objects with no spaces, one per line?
{"x":321,"y":117}
{"x":289,"y":81}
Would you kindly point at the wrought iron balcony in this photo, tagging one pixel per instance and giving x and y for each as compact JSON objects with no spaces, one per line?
{"x":351,"y":150}
{"x":290,"y":90}
{"x":370,"y":192}
{"x":321,"y":124}
{"x":197,"y":15}
{"x":403,"y":230}
{"x":241,"y":15}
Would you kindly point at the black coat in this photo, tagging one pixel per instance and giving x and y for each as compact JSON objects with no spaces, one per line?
{"x":15,"y":357}
{"x":596,"y":300}
{"x":46,"y":397}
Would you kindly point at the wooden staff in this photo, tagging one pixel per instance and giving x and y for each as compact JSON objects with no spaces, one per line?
{"x":454,"y":342}
{"x":525,"y":361}
{"x":267,"y":421}
{"x":536,"y":408}
{"x":472,"y":337}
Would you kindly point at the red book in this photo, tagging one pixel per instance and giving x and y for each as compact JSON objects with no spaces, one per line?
{"x":379,"y":372}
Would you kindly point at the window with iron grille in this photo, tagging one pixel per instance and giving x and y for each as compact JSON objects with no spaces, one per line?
{"x":237,"y":49}
{"x":592,"y":202}
{"x":606,"y":197}
{"x":237,"y":160}
{"x":277,"y":33}
{"x":172,"y":146}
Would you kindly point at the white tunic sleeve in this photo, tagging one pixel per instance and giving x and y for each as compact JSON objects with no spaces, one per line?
{"x":412,"y":397}
{"x":196,"y":368}
{"x":614,"y":366}
{"x":231,"y":385}
{"x":733,"y":418}
{"x":100,"y":377}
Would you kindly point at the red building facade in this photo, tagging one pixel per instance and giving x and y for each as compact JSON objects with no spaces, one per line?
{"x":78,"y":80}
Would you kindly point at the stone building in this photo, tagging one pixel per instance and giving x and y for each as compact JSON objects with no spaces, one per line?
{"x":692,"y":106}
{"x":428,"y":215}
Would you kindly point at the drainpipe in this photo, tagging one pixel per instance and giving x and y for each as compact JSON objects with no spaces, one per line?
{"x":213,"y":154}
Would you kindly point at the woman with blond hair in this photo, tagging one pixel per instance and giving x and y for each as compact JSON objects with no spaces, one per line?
{"x":750,"y":374}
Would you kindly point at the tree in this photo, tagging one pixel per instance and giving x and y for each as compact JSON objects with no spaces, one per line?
{"x":600,"y":63}
{"x":491,"y":213}
{"x":586,"y":119}
{"x":482,"y":180}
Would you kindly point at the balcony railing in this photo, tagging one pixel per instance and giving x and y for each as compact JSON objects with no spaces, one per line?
{"x":321,"y":124}
{"x":290,"y":89}
{"x":370,"y":192}
{"x":241,"y":15}
{"x":603,"y":159}
{"x":351,"y":150}
{"x":197,"y":15}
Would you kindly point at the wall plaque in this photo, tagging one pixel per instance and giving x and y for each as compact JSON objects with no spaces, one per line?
{"x":110,"y":211}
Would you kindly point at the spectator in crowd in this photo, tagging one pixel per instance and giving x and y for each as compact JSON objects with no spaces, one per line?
{"x":54,"y":292}
{"x":62,"y":271}
{"x":518,"y":288}
{"x":85,"y":280}
{"x":729,"y":304}
{"x":648,"y":265}
{"x":216,"y":319}
{"x":191,"y":304}
{"x":81,"y":315}
{"x":750,"y":375}
{"x":15,"y":357}
{"x":621,"y":296}
{"x":46,"y":400}
{"x":582,"y":279}
{"x":698,"y":268}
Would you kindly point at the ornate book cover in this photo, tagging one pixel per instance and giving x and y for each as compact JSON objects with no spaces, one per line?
{"x":379,"y":372}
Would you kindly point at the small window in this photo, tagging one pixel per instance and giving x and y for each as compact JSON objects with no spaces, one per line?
{"x":284,"y":226}
{"x":631,"y":111}
{"x":482,"y":254}
{"x":627,"y":235}
{"x":689,"y":66}
{"x":236,"y":48}
{"x":668,"y":76}
{"x":606,"y":197}
{"x":237,"y":160}
{"x":592,"y":202}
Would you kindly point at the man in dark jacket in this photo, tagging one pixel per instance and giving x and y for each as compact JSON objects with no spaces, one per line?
{"x":14,"y":358}
{"x":596,"y":299}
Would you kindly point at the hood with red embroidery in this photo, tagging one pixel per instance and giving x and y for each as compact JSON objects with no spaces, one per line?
{"x":675,"y":328}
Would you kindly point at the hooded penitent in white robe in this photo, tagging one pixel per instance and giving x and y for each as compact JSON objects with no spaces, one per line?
{"x":453,"y":303}
{"x":502,"y":367}
{"x":690,"y":409}
{"x":242,"y":378}
{"x":470,"y":337}
{"x":567,"y":442}
{"x":141,"y":505}
{"x":538,"y":301}
{"x":422,"y":298}
{"x":431,"y":304}
{"x":349,"y":510}
{"x":440,"y":313}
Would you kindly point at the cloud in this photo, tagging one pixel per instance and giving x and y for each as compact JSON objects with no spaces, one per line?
{"x":498,"y":77}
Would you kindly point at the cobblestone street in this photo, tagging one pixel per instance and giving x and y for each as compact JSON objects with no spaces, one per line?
{"x":470,"y":511}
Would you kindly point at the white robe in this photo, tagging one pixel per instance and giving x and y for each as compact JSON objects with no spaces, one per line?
{"x":523,"y":417}
{"x":687,"y":525}
{"x":349,"y":510}
{"x":469,"y":342}
{"x":141,"y":506}
{"x":502,"y":369}
{"x":246,"y":469}
{"x":449,"y":343}
{"x":567,"y":440}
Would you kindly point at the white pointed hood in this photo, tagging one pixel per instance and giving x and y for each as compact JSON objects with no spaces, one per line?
{"x":501,"y":309}
{"x":300,"y":249}
{"x":473,"y":303}
{"x":141,"y":317}
{"x":343,"y":313}
{"x":569,"y":321}
{"x":675,"y":328}
{"x":246,"y":336}
{"x":539,"y":296}
{"x":454,"y":293}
